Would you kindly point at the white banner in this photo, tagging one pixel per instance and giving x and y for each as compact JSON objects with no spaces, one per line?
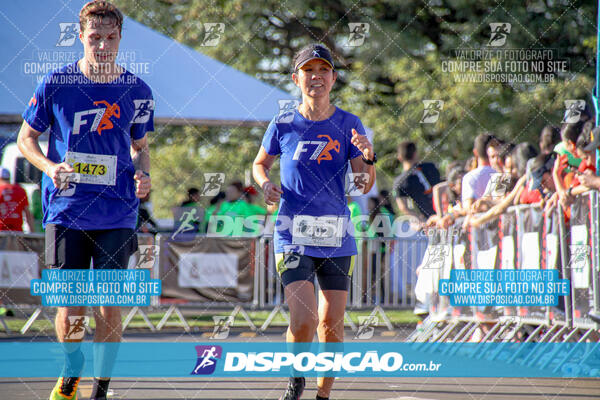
{"x":530,"y":251}
{"x":208,"y":270}
{"x":580,"y":257}
{"x":486,"y":259}
{"x":18,"y":268}
{"x":508,"y":252}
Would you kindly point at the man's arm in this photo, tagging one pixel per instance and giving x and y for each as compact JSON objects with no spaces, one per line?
{"x":27,"y":141}
{"x":499,"y":208}
{"x":404,"y":209}
{"x":140,"y":155}
{"x":437,"y":197}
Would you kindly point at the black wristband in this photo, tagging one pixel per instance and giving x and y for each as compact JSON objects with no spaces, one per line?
{"x":370,"y":162}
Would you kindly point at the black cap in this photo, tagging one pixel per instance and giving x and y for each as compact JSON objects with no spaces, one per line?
{"x":313,"y":52}
{"x":595,"y":142}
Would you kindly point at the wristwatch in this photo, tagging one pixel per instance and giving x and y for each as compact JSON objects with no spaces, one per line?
{"x":370,"y":162}
{"x":570,"y":191}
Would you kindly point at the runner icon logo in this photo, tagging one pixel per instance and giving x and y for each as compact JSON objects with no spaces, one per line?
{"x":357,"y":182}
{"x":291,"y":255}
{"x":186,"y":223}
{"x":500,"y":31}
{"x":287,"y":109}
{"x":573,"y":109}
{"x":580,"y":254}
{"x":77,"y":325}
{"x":366,"y":327}
{"x":358,"y":33}
{"x":147,"y":257}
{"x":212,"y":183}
{"x":68,"y":34}
{"x":142,"y":111}
{"x":436,"y":256}
{"x":207,"y":359}
{"x":431,"y":111}
{"x":222,"y":326}
{"x":212,"y":33}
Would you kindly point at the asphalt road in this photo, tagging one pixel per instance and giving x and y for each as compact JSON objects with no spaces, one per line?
{"x":272,"y":388}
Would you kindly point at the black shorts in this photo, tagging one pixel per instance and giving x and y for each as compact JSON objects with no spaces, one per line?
{"x":74,"y":249}
{"x":333,"y":273}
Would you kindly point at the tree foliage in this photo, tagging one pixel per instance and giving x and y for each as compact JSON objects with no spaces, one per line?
{"x":385,"y":80}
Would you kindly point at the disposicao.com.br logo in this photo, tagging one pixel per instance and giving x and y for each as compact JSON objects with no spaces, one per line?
{"x":365,"y":363}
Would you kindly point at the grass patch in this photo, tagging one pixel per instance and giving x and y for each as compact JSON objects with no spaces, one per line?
{"x":205,"y":320}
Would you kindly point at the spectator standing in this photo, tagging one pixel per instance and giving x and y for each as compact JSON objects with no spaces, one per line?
{"x":13,"y":204}
{"x":475,"y":181}
{"x":415,"y":183}
{"x":193,"y":199}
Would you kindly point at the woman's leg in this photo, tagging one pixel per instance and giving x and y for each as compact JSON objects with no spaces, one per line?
{"x":301,"y":299}
{"x":332,"y":305}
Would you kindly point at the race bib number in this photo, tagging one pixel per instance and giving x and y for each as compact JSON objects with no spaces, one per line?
{"x":317,"y":231}
{"x":97,"y":169}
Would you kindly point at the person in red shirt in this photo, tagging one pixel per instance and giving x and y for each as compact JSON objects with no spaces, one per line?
{"x":13,"y":203}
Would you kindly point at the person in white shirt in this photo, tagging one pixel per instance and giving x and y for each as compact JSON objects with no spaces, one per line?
{"x":475,"y":181}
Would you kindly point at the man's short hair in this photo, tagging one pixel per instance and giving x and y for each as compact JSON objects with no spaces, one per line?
{"x":570,"y":132}
{"x":98,"y":10}
{"x":407,"y":150}
{"x":481,"y":143}
{"x":193,"y":192}
{"x":238,"y":185}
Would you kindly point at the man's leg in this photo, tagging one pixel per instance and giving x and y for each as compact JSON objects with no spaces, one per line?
{"x":70,"y":334}
{"x":112,"y":249}
{"x":106,"y":342}
{"x":68,"y":249}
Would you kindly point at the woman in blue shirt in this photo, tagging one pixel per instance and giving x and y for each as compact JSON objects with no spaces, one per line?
{"x":313,"y":236}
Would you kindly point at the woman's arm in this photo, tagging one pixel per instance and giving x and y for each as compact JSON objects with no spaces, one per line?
{"x":260,"y":171}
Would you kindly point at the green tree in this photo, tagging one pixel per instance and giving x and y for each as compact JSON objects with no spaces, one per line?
{"x":386,"y":79}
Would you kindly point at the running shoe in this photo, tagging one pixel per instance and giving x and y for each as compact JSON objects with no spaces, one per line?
{"x":65,"y":389}
{"x":294,"y":389}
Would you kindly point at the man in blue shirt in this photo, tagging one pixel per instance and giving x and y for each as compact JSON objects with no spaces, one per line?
{"x":96,"y":169}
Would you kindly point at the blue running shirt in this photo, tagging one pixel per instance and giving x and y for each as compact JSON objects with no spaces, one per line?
{"x":91,"y":126}
{"x":313,"y":163}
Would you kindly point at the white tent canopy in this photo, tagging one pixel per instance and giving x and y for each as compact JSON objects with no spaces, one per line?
{"x":188,"y":87}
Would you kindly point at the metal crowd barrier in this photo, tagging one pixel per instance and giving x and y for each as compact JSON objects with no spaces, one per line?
{"x":523,"y":238}
{"x":22,"y":258}
{"x":383,"y":277}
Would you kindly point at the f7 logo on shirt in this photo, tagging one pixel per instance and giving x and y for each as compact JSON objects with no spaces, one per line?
{"x":101,"y":117}
{"x":321,"y":151}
